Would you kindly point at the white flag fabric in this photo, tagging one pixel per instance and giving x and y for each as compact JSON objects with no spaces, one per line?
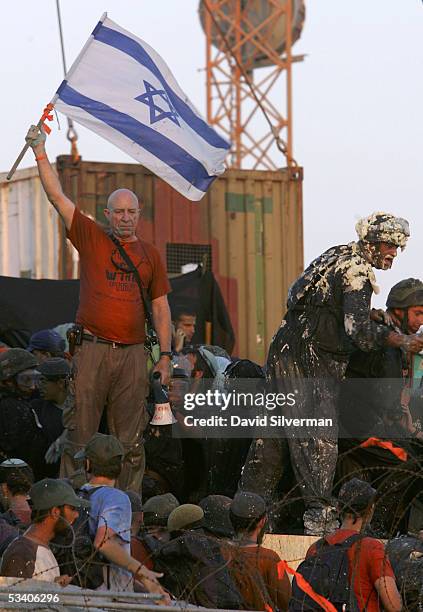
{"x":120,"y":88}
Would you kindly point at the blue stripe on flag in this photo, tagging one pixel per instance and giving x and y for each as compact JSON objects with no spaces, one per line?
{"x":155,"y":143}
{"x":137,"y":52}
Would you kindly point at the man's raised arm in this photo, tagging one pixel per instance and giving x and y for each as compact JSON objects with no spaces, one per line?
{"x":49,"y":179}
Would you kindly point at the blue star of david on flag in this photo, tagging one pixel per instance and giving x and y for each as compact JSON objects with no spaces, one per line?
{"x":157,"y":113}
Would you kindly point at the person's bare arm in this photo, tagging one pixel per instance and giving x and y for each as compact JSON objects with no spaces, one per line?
{"x":49,"y":178}
{"x":162,"y":324}
{"x":389,"y":595}
{"x":412,"y":343}
{"x":107,"y":543}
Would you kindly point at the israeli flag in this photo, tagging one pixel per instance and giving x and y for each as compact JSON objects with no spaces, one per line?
{"x":120,"y":88}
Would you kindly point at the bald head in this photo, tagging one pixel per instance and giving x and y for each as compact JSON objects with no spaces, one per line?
{"x":122,"y":213}
{"x":120,"y":196}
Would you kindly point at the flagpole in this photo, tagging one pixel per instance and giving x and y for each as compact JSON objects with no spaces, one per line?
{"x":53,"y":101}
{"x":25,"y":148}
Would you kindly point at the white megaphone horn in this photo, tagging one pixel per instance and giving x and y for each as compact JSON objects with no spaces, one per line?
{"x":163,"y":414}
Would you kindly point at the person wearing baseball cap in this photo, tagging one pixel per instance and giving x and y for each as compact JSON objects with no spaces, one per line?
{"x":45,"y":344}
{"x":55,"y":506}
{"x":110,"y":516}
{"x":371,"y":575}
{"x":253,"y":567}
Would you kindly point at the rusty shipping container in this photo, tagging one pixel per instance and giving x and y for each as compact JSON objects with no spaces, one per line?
{"x":248,"y":229}
{"x":29,"y":228}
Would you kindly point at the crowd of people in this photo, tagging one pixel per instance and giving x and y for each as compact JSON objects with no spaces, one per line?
{"x":97,"y":491}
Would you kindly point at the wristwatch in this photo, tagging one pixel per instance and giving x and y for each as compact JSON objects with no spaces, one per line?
{"x":166,"y":354}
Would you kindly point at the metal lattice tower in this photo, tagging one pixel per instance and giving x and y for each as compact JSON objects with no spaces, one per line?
{"x":249,"y":55}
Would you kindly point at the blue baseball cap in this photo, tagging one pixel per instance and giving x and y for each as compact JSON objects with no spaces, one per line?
{"x":47,"y":340}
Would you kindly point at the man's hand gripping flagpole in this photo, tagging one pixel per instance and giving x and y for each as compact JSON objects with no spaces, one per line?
{"x":41,"y":125}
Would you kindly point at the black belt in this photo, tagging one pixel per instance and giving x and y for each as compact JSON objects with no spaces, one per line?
{"x":96,"y":339}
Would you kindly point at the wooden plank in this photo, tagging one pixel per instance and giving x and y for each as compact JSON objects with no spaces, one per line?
{"x":144,"y":189}
{"x":298,"y":221}
{"x":290,"y":548}
{"x":218,"y":220}
{"x":181,"y":219}
{"x":285,"y":230}
{"x":272,"y":257}
{"x":162,"y":223}
{"x":262,"y":209}
{"x":199,"y":226}
{"x":219,"y":231}
{"x":87,"y":192}
{"x":255,"y":175}
{"x":237,"y":256}
{"x":253,"y":268}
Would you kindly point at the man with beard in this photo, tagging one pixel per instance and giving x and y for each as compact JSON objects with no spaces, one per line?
{"x":328,"y":317}
{"x":54,"y":508}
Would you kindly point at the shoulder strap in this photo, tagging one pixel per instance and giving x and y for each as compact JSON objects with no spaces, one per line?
{"x":319,"y":544}
{"x":133,"y":268}
{"x":348,"y":542}
{"x":86,"y":493}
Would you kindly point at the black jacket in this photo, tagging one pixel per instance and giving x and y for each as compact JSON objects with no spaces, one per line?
{"x":195,"y":571}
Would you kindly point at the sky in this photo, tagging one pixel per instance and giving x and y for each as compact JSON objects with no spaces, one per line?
{"x":357,"y":101}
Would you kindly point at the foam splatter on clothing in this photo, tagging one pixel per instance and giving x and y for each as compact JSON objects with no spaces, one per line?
{"x":328,"y":318}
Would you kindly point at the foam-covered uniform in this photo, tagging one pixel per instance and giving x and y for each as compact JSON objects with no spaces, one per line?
{"x":328,"y":317}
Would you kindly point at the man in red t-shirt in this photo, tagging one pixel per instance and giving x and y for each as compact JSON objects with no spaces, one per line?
{"x":110,"y":364}
{"x":254,"y":569}
{"x":371,"y":573}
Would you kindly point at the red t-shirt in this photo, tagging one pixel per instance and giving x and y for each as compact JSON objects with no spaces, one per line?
{"x":254,"y":569}
{"x":368,"y":562}
{"x":140,"y":553}
{"x":110,"y":304}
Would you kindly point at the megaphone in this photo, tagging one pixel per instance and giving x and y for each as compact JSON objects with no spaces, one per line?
{"x":163,"y":414}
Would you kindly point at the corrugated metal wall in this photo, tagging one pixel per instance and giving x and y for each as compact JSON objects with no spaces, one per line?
{"x":29,"y":228}
{"x":251,"y":221}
